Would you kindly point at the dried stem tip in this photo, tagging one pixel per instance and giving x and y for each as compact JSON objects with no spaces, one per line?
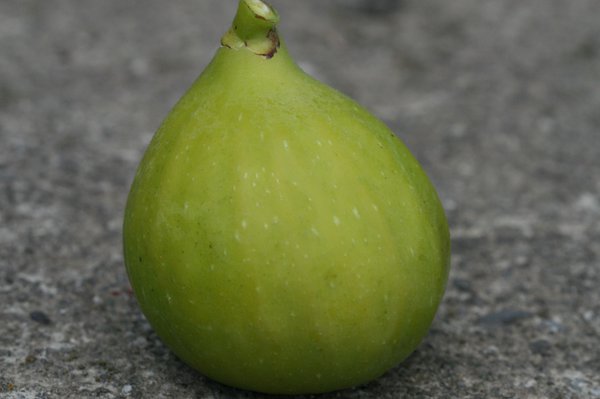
{"x":254,"y":28}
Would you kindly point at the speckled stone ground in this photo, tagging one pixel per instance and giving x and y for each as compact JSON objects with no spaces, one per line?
{"x":500,"y":100}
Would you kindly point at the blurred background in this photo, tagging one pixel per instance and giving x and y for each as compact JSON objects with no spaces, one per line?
{"x":499,"y":100}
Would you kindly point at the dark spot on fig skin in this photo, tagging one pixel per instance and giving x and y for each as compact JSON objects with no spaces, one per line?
{"x":274,"y":38}
{"x":140,"y":258}
{"x":270,"y":54}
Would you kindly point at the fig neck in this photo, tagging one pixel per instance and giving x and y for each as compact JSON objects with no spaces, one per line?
{"x":254,"y":28}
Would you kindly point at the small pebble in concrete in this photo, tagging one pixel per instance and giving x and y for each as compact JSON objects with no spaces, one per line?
{"x":126,"y":390}
{"x":540,"y":347}
{"x":503,"y":317}
{"x":40,"y":317}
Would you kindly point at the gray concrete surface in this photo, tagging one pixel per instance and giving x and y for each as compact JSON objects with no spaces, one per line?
{"x":500,"y":100}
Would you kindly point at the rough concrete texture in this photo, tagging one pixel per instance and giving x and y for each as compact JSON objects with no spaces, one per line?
{"x":500,"y":101}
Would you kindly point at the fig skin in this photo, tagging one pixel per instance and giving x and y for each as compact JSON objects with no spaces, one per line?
{"x":280,"y":238}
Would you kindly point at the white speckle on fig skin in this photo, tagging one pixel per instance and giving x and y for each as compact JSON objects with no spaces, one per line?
{"x":356,"y":213}
{"x":286,"y":145}
{"x":336,"y":220}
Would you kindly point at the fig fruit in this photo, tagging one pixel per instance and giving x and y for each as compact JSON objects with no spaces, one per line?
{"x":278,"y":237}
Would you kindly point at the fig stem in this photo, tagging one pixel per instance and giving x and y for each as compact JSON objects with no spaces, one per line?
{"x":254,"y":28}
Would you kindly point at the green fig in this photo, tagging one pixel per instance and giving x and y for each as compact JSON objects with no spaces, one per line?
{"x":278,"y":237}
